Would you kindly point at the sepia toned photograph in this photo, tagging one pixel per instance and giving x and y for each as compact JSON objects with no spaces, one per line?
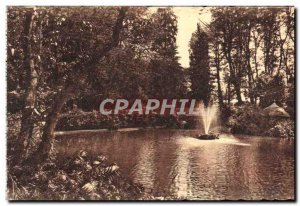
{"x":128,"y":103}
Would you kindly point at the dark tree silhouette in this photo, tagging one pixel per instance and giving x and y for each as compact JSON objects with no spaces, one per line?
{"x":199,"y":70}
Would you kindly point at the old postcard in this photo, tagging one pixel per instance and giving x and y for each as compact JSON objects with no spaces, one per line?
{"x":150,"y":103}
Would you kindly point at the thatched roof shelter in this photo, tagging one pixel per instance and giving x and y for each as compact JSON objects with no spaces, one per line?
{"x":275,"y":111}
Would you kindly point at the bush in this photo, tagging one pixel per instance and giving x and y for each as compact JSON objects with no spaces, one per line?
{"x":282,"y":128}
{"x":248,"y":119}
{"x":78,"y":178}
{"x":79,"y":120}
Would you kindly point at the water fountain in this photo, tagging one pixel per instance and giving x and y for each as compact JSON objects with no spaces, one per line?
{"x":208,"y":116}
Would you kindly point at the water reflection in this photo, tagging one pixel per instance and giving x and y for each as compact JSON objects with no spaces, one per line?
{"x":181,"y":173}
{"x":145,"y":167}
{"x":171,"y":163}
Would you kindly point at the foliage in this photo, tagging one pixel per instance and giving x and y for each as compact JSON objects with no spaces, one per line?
{"x":271,"y":89}
{"x":80,"y":177}
{"x":164,"y":43}
{"x":166,"y":77}
{"x":250,"y":45}
{"x":282,"y":128}
{"x":58,"y":56}
{"x":199,"y":70}
{"x":77,"y":119}
{"x":248,"y":119}
{"x":80,"y":120}
{"x":13,"y":125}
{"x":290,"y":100}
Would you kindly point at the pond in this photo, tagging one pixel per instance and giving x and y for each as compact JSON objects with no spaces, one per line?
{"x":172,"y":163}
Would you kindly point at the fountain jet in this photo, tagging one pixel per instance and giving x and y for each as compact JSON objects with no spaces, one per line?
{"x":208,"y":116}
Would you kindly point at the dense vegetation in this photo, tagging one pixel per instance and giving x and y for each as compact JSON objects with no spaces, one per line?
{"x":78,"y":178}
{"x":244,"y":60}
{"x":61,"y":60}
{"x":249,"y":119}
{"x":254,"y":48}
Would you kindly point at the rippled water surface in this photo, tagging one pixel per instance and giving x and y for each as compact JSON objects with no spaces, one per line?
{"x":172,"y":163}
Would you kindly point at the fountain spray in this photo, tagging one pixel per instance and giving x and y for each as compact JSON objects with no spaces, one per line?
{"x":208,"y":116}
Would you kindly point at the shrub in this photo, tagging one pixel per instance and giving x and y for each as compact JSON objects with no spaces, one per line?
{"x":78,"y":178}
{"x":78,"y":120}
{"x":282,"y":128}
{"x":248,"y":119}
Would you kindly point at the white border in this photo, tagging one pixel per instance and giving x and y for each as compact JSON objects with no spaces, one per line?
{"x":4,"y":3}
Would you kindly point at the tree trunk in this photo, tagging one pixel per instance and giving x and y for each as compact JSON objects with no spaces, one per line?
{"x":220,"y":95}
{"x":237,"y":89}
{"x":256,"y":45}
{"x":234,"y":79}
{"x":31,"y":77}
{"x":249,"y":69}
{"x":250,"y":77}
{"x":45,"y":147}
{"x":228,"y":92}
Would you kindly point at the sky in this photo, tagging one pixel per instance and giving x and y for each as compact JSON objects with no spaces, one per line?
{"x":187,"y":18}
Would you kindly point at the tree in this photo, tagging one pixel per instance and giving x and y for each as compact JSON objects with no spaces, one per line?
{"x":217,"y":63}
{"x":71,"y":85}
{"x":166,"y":75}
{"x":244,"y":35}
{"x":271,"y":89}
{"x":27,"y":49}
{"x":73,"y":43}
{"x":199,"y":70}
